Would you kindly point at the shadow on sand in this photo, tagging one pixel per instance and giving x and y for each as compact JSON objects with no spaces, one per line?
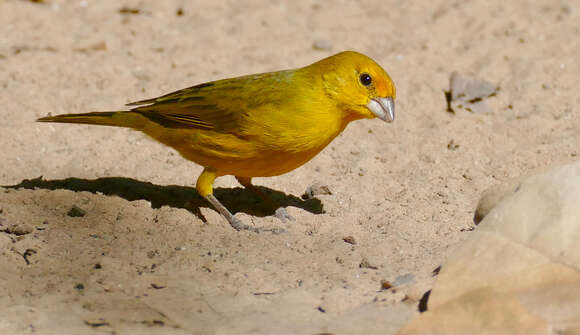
{"x":236,"y":199}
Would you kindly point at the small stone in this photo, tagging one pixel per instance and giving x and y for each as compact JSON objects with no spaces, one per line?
{"x":385,"y":285}
{"x":468,"y":93}
{"x":100,"y":46}
{"x":349,"y":240}
{"x":153,"y":253}
{"x":130,"y":10}
{"x":316,"y":189}
{"x":322,"y":44}
{"x":466,"y":88}
{"x":365,"y":264}
{"x":76,"y":212}
{"x":452,"y":145}
{"x":18,"y":229}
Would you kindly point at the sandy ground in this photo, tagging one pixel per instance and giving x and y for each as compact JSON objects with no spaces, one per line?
{"x":150,"y":256}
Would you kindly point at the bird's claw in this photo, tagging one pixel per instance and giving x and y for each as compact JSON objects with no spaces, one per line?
{"x":238,"y":225}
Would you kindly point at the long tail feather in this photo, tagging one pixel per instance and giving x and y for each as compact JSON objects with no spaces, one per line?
{"x":95,"y":118}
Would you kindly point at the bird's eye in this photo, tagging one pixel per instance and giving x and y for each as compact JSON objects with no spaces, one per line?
{"x":365,"y":79}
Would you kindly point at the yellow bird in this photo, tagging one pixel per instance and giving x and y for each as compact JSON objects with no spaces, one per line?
{"x":258,"y":125}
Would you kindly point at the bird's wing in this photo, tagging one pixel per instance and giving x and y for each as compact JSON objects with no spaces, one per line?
{"x":220,"y":105}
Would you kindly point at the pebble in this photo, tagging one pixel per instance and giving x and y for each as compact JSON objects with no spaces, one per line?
{"x":76,"y":212}
{"x":316,"y":189}
{"x":322,"y":44}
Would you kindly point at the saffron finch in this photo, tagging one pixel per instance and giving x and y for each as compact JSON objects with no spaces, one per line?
{"x":258,"y":125}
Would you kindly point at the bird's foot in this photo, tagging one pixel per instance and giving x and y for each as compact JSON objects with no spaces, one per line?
{"x":234,"y":221}
{"x":238,"y":225}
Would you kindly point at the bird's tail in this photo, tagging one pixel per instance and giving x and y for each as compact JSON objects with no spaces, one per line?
{"x":116,"y":119}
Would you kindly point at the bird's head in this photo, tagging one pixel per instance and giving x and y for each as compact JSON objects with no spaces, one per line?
{"x":360,"y":86}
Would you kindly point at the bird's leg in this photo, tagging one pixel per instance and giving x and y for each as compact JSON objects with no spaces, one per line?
{"x":234,"y":222}
{"x":205,"y":189}
{"x":280,"y":212}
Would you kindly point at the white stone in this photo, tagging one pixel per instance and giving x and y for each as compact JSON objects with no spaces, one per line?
{"x":519,"y":273}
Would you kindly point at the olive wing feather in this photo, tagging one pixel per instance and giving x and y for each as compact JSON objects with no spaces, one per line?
{"x":220,"y":105}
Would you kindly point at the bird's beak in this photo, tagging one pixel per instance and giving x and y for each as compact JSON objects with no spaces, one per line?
{"x":383,"y":108}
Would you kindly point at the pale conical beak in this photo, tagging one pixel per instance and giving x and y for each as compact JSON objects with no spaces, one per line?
{"x":383,"y":108}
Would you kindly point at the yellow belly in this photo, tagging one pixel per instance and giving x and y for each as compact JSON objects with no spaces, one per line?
{"x":256,"y":156}
{"x":263,"y":164}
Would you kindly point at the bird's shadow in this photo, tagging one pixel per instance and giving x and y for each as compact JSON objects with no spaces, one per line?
{"x":236,"y":199}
